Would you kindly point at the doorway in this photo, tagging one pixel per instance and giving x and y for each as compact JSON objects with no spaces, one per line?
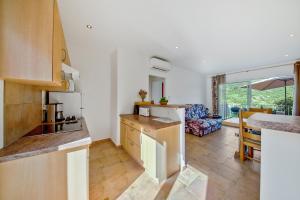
{"x":156,"y":88}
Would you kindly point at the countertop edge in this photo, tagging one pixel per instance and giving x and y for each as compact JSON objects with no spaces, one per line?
{"x":57,"y":142}
{"x":66,"y":146}
{"x":265,"y":122}
{"x":77,"y":143}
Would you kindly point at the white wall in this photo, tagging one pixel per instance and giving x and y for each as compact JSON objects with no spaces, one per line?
{"x":94,"y":67}
{"x":132,"y":76}
{"x":185,"y":86}
{"x":133,"y":69}
{"x":110,"y":81}
{"x":114,"y":95}
{"x":284,"y":70}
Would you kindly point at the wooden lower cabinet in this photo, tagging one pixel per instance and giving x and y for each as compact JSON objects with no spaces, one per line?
{"x":123,"y":136}
{"x":130,"y":141}
{"x":58,"y":175}
{"x":156,"y":150}
{"x":134,"y":135}
{"x":134,"y":150}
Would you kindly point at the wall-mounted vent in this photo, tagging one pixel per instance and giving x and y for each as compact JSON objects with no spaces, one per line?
{"x":160,"y":64}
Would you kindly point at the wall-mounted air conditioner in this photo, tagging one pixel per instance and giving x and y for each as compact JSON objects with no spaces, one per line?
{"x":159,"y":64}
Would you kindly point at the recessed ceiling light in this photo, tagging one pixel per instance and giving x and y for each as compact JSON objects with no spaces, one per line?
{"x":286,"y":55}
{"x":292,"y":35}
{"x":89,"y":26}
{"x":176,"y":47}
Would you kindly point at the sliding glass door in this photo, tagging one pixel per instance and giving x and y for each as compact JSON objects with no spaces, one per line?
{"x":257,"y":94}
{"x":235,"y":97}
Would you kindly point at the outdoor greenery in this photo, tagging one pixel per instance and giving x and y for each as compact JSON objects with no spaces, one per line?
{"x":236,"y":95}
{"x":281,"y":103}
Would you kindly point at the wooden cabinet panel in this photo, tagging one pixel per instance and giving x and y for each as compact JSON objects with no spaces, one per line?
{"x":60,"y":51}
{"x":130,"y":141}
{"x":123,"y":136}
{"x":26,"y":39}
{"x":132,"y":124}
{"x":60,"y":175}
{"x":134,"y":135}
{"x":38,"y":177}
{"x":134,"y":150}
{"x":158,"y":151}
{"x":57,"y":45}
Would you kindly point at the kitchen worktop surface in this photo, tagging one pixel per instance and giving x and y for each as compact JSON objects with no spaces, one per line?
{"x":32,"y":145}
{"x":166,"y":106}
{"x":149,"y":122}
{"x":275,"y":122}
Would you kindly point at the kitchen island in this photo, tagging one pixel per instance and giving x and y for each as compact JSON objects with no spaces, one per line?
{"x":46,"y":166}
{"x":153,"y":143}
{"x":280,"y":155}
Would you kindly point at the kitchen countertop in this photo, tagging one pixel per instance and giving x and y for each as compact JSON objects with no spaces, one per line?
{"x":275,"y":122}
{"x":45,"y":143}
{"x":148,"y":122}
{"x":165,"y":106}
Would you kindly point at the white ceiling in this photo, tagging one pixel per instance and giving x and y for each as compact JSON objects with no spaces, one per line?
{"x":213,"y":36}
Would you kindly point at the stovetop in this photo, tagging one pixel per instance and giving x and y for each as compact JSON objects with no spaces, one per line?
{"x":60,"y":127}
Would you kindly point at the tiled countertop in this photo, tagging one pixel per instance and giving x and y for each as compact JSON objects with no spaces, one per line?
{"x":275,"y":122}
{"x":45,"y":143}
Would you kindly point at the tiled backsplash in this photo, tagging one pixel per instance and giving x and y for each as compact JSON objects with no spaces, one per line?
{"x":22,"y":110}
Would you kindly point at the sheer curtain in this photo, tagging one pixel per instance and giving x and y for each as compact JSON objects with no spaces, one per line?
{"x":296,"y":110}
{"x":217,"y":82}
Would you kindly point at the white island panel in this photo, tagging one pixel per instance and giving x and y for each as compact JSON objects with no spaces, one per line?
{"x":280,"y":165}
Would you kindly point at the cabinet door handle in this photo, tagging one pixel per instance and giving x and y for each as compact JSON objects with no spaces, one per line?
{"x":64,"y":55}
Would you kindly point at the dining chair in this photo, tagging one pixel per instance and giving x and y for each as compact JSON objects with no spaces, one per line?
{"x":250,"y":138}
{"x":261,"y":110}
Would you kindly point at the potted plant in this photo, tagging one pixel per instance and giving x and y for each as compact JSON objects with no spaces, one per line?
{"x":163,"y":101}
{"x":143,"y":94}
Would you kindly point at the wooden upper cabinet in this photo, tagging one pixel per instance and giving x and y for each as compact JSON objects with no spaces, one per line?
{"x":57,"y":45}
{"x":32,"y":41}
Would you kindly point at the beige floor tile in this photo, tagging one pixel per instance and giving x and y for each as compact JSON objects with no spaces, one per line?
{"x":227,"y":176}
{"x":113,"y":171}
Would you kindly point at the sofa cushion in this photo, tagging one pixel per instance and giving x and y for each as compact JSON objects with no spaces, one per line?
{"x":196,"y":111}
{"x":202,"y":127}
